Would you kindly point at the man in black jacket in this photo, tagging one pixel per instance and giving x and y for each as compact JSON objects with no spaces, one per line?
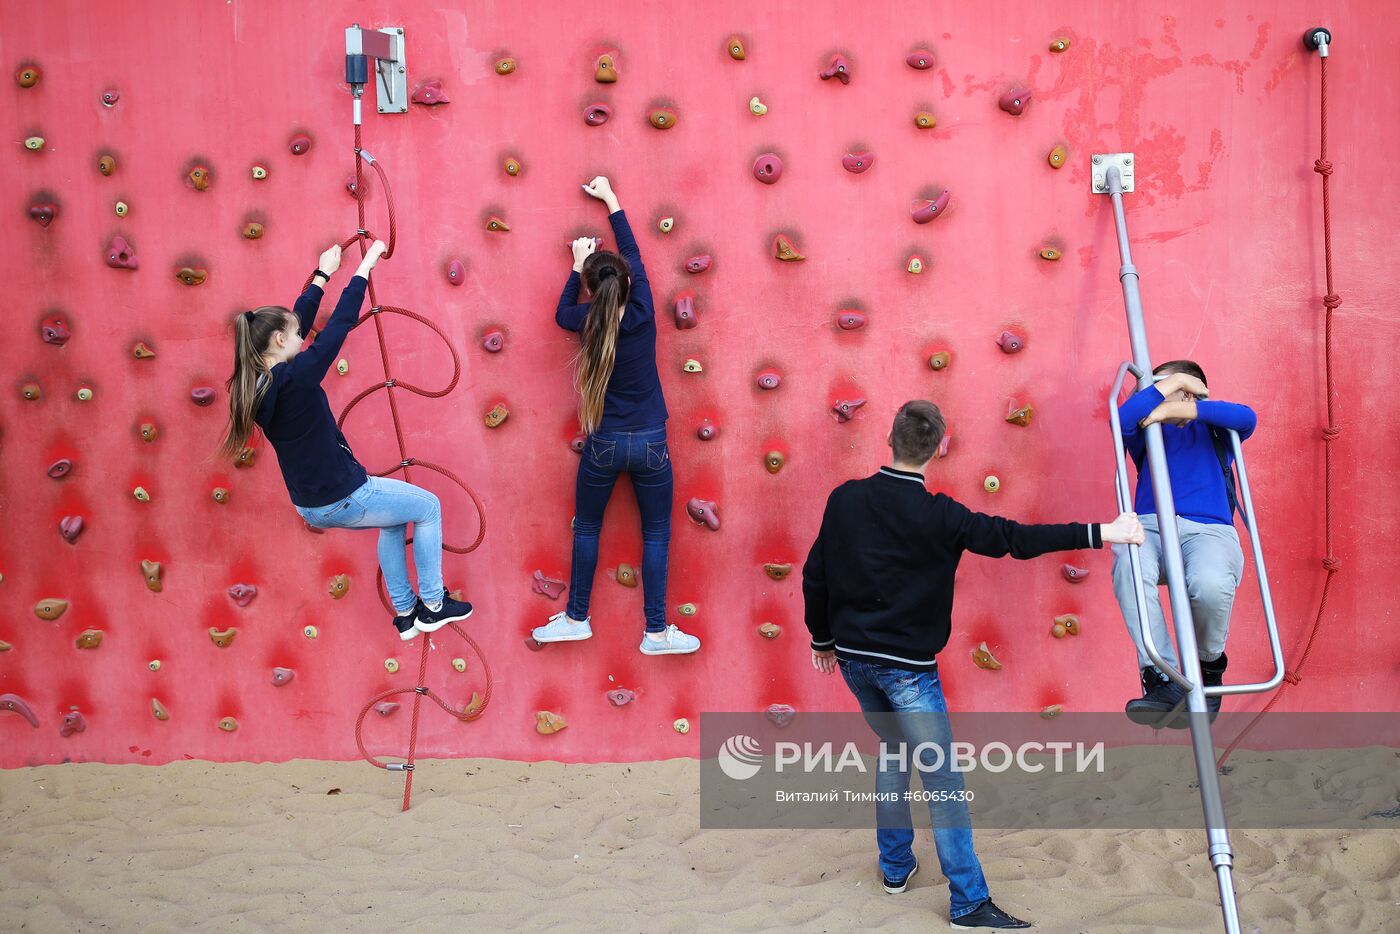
{"x":878,"y":585}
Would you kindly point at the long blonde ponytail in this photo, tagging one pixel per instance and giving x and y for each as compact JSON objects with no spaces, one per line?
{"x":609,"y":281}
{"x":252,"y":332}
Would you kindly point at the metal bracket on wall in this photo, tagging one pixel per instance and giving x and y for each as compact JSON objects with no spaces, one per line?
{"x":1102,"y":162}
{"x":387,"y":47}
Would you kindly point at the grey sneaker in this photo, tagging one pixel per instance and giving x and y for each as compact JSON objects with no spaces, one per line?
{"x":672,"y":642}
{"x":562,"y":629}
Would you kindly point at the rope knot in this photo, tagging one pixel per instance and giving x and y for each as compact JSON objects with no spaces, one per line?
{"x":1331,"y":565}
{"x":1322,"y":167}
{"x":1292,"y":677}
{"x":1332,"y":300}
{"x":1331,"y":433}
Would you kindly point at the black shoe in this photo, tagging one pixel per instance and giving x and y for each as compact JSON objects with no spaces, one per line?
{"x":988,"y":915}
{"x":1160,"y":696}
{"x":895,"y":887}
{"x":404,"y":624}
{"x":1213,"y":674}
{"x":451,"y":611}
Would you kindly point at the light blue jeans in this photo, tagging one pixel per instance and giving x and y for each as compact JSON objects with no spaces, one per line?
{"x":389,"y":505}
{"x":908,"y":707}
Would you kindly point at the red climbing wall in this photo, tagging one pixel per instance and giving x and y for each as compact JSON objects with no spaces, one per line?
{"x":1219,"y":110}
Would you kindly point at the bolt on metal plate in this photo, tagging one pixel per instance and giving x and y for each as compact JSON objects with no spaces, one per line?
{"x":1101,"y":162}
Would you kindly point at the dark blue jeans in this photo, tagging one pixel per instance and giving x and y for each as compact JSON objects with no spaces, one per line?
{"x":644,"y":456}
{"x":908,"y":707}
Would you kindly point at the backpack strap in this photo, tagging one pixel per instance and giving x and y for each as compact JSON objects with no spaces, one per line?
{"x":1222,"y":454}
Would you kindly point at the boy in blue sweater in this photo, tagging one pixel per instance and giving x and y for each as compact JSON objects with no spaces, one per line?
{"x":1195,"y":435}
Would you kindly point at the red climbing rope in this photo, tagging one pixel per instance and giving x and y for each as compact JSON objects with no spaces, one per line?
{"x":1331,"y":564}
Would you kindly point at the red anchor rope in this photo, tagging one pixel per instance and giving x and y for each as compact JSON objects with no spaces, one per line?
{"x":1331,"y":563}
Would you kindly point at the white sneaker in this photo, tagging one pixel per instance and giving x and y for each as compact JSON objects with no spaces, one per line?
{"x":672,"y":642}
{"x":562,"y":629}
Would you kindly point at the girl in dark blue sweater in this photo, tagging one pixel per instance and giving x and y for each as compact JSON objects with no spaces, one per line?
{"x":623,"y":413}
{"x":276,"y":386}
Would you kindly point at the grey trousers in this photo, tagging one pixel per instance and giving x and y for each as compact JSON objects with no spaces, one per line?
{"x":1214,"y":564}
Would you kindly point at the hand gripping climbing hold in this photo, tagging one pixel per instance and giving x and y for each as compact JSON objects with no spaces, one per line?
{"x":685,"y":311}
{"x":844,"y":409}
{"x":496,"y":225}
{"x":547,"y":722}
{"x":925,"y":120}
{"x":89,"y":639}
{"x":191,"y":276}
{"x":431,"y":94}
{"x":1057,"y":157}
{"x":769,"y":630}
{"x":778,"y":572}
{"x":120,"y":254}
{"x":27,"y":77}
{"x":703,"y":511}
{"x":769,"y":379}
{"x":1019,"y":414}
{"x":107,"y":165}
{"x":920,"y":59}
{"x":1073,"y":574}
{"x":158,"y":710}
{"x":1015,"y":101}
{"x":70,"y":527}
{"x":504,"y":66}
{"x":60,"y":468}
{"x":605,"y":69}
{"x":456,"y":272}
{"x":548,"y":586}
{"x":663,"y":118}
{"x":73,"y":722}
{"x":1010,"y":342}
{"x":282,"y":676}
{"x":621,"y":697}
{"x":498,"y":414}
{"x":199,"y":177}
{"x":43,"y":212}
{"x":734,"y":46}
{"x":151,"y":571}
{"x":300,"y":144}
{"x":940,"y":360}
{"x":626,"y":575}
{"x":785,"y":251}
{"x":924,"y":210}
{"x":707,"y":431}
{"x":596,"y":114}
{"x":1068,"y":624}
{"x":857,"y":162}
{"x":242,"y":594}
{"x":13,"y":703}
{"x":982,"y":657}
{"x":773,"y":461}
{"x":838,"y":69}
{"x":149,"y":432}
{"x":698,"y":264}
{"x":493,"y":341}
{"x":780,"y":715}
{"x":338,"y":586}
{"x":768,"y":168}
{"x":51,"y":608}
{"x":223,"y":638}
{"x":849,"y":320}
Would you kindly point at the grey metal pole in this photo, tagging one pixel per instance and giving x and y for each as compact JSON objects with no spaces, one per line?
{"x":1221,"y":855}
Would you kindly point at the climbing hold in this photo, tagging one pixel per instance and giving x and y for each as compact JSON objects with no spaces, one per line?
{"x":1050,"y":253}
{"x":924,"y":210}
{"x":1057,"y":157}
{"x":1051,"y":712}
{"x":299,"y":144}
{"x":735,"y":46}
{"x":1010,"y":342}
{"x":151,"y":570}
{"x":456,"y":272}
{"x":768,"y":168}
{"x":1073,"y":574}
{"x":687,"y":609}
{"x":698,"y":264}
{"x":459,"y":665}
{"x":89,"y":639}
{"x":983,"y":658}
{"x":338,"y":586}
{"x":685,"y":311}
{"x":54,"y":331}
{"x":757,"y":107}
{"x":596,"y":114}
{"x":666,"y":224}
{"x":27,"y":76}
{"x":691,"y":365}
{"x":107,"y":165}
{"x":682,"y":725}
{"x":605,"y":69}
{"x":43,"y":212}
{"x":493,"y":342}
{"x":149,"y":432}
{"x":121,"y":209}
{"x":220,"y":495}
{"x":940,"y":360}
{"x":846,"y":408}
{"x":547,"y":722}
{"x":199,"y":177}
{"x":496,"y":225}
{"x":158,"y":710}
{"x":1015,"y":101}
{"x":769,"y":630}
{"x":838,"y":69}
{"x":51,"y":608}
{"x":342,"y":366}
{"x":925,"y":120}
{"x":242,"y":594}
{"x":228,"y":724}
{"x":430,"y":93}
{"x":991,"y":484}
{"x":223,"y":638}
{"x":916,"y":264}
{"x":505,"y":66}
{"x":943,"y":444}
{"x":1069,"y":623}
{"x":15,"y":704}
{"x":391,"y":665}
{"x":769,"y":379}
{"x":73,"y":722}
{"x":259,"y":171}
{"x":921,"y":59}
{"x":499,"y":413}
{"x":154,"y":664}
{"x":85,"y":394}
{"x":848,"y":320}
{"x":704,"y":511}
{"x":626,"y":575}
{"x":252,"y":230}
{"x":1059,"y":45}
{"x":662,"y":118}
{"x":780,"y":715}
{"x":70,"y":527}
{"x":857,"y":162}
{"x":576,"y":445}
{"x":512,"y":166}
{"x":707,"y":430}
{"x":141,"y":495}
{"x":551,"y":588}
{"x":60,"y":468}
{"x":310,"y":632}
{"x":785,"y":251}
{"x":621,"y":697}
{"x":246,"y":458}
{"x":778,"y":571}
{"x":385,"y":708}
{"x":190,"y":276}
{"x":142,"y":351}
{"x":110,"y":97}
{"x":120,"y":255}
{"x":34,"y":143}
{"x":1019,"y":414}
{"x":774,"y":461}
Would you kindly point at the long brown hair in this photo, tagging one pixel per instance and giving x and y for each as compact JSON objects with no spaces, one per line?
{"x":252,"y":332}
{"x":609,"y":281}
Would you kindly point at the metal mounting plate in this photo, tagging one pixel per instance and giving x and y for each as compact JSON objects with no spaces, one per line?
{"x":391,"y":78}
{"x":1101,"y":162}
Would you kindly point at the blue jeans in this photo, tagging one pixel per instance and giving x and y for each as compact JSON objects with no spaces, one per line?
{"x":389,"y":505}
{"x":908,"y":707}
{"x":643,"y":455}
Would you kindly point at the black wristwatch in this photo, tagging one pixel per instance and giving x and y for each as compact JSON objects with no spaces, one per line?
{"x":323,"y":275}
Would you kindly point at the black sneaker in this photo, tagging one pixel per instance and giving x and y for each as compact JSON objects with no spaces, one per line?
{"x":988,"y":915}
{"x":404,"y":624}
{"x":451,"y":611}
{"x":896,"y":887}
{"x":1160,"y":696}
{"x":1213,"y":674}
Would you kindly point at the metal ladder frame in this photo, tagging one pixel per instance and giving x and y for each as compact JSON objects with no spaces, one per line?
{"x":1221,"y":854}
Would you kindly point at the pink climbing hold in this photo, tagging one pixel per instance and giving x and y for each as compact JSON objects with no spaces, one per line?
{"x":943,"y":445}
{"x":202,"y":396}
{"x":768,"y":168}
{"x":242,"y":594}
{"x":352,"y":185}
{"x":1015,"y":101}
{"x":780,"y":715}
{"x":16,"y":704}
{"x":431,"y":94}
{"x":551,"y":588}
{"x":596,"y":114}
{"x":769,"y":379}
{"x":697,"y":264}
{"x":299,"y":144}
{"x":1010,"y":342}
{"x":703,"y":510}
{"x":73,"y":722}
{"x":493,"y":342}
{"x":385,"y":708}
{"x":685,"y":311}
{"x":707,"y":430}
{"x":54,"y":331}
{"x":60,"y":468}
{"x":621,"y":697}
{"x":923,"y":210}
{"x":456,"y":272}
{"x":845,"y":408}
{"x":70,"y":527}
{"x":120,"y":255}
{"x":838,"y":69}
{"x":921,"y":59}
{"x":848,"y":320}
{"x":282,"y":676}
{"x":857,"y":162}
{"x":110,"y":97}
{"x":576,"y":445}
{"x":43,"y":213}
{"x":1073,"y":574}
